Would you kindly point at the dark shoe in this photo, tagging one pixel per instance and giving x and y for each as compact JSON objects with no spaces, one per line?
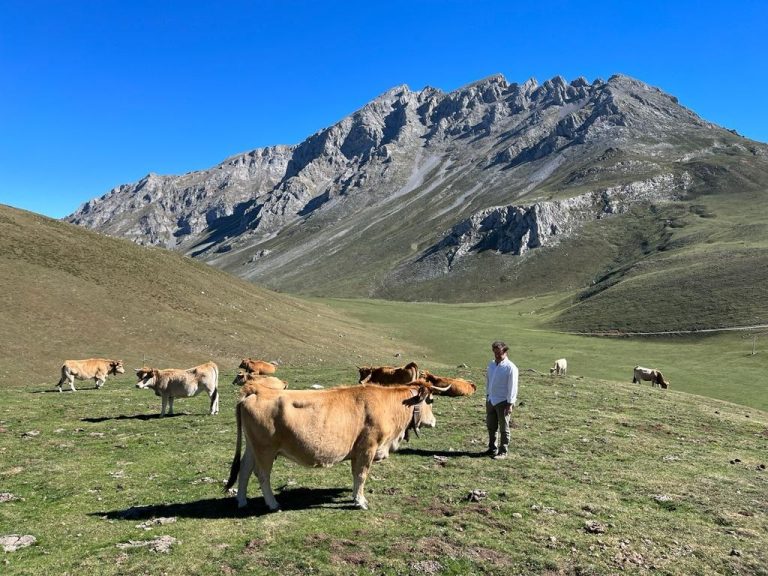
{"x":490,"y":452}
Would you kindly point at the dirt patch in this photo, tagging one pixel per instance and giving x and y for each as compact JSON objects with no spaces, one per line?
{"x":435,"y":549}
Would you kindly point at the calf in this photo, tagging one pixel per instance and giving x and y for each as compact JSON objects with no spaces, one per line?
{"x":655,"y":376}
{"x":560,"y":367}
{"x":96,"y":369}
{"x":388,"y":374}
{"x":257,"y":366}
{"x":174,"y":383}
{"x":456,"y":386}
{"x":249,"y":381}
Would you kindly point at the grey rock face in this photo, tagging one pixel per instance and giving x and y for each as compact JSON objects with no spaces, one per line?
{"x":517,"y":229}
{"x":491,"y":166}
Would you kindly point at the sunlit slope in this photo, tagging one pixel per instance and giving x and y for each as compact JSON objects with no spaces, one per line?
{"x":66,"y":292}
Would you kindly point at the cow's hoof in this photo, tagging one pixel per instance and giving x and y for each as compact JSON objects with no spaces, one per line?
{"x":361,"y":505}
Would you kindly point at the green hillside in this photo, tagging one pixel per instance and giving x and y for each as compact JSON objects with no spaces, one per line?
{"x":66,"y":292}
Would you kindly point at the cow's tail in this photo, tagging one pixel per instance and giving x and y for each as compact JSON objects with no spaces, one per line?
{"x":215,"y":394}
{"x":234,"y":471}
{"x":63,"y":375}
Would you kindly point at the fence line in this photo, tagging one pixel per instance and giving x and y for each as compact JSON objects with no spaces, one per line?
{"x":670,"y":332}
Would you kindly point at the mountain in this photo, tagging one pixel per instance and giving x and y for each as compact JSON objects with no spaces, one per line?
{"x":492,"y":191}
{"x":66,"y":292}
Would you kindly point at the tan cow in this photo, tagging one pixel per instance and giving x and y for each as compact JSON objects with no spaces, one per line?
{"x":388,"y":374}
{"x":323,"y":427}
{"x":655,"y":376}
{"x":456,"y":386}
{"x":257,"y":366}
{"x":249,"y":380}
{"x":96,"y":369}
{"x":174,"y":383}
{"x":560,"y":367}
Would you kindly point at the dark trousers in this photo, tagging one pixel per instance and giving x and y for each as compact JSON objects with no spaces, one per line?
{"x":496,"y":420}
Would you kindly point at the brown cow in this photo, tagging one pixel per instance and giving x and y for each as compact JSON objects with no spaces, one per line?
{"x":257,"y":366}
{"x":96,"y":369}
{"x":655,"y":376}
{"x":388,"y":374}
{"x":249,"y":381}
{"x":457,"y":386}
{"x":323,"y":427}
{"x":174,"y":383}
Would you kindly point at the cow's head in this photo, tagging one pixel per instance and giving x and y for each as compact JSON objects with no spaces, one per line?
{"x":240,"y":377}
{"x":145,"y":377}
{"x":244,"y":363}
{"x":422,"y":405}
{"x":116,"y":367}
{"x":365,"y":372}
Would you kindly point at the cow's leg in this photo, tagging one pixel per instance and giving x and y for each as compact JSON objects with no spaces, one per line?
{"x":264,"y":462}
{"x":261,"y":467}
{"x":164,"y":400}
{"x":72,"y":383}
{"x":361,"y":463}
{"x":246,"y":469}
{"x":99,"y":382}
{"x":214,"y":400}
{"x":170,"y":405}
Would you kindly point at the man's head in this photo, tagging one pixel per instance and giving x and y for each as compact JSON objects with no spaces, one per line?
{"x":499,"y":350}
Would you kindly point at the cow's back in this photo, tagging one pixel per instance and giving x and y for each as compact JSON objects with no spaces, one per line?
{"x":320,"y":427}
{"x":88,"y":368}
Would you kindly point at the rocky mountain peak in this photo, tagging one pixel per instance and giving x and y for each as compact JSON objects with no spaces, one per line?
{"x":419,"y":163}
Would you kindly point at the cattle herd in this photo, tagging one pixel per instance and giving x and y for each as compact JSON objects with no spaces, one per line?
{"x":361,"y":423}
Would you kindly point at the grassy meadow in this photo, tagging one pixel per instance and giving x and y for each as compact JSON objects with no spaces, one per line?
{"x":718,"y":365}
{"x":604,"y":477}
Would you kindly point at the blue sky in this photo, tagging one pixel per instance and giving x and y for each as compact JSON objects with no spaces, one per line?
{"x":99,"y":93}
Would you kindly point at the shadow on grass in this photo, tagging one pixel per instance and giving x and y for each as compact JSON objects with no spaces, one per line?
{"x":132,"y":417}
{"x":445,"y":453}
{"x":62,"y":391}
{"x":226,"y":507}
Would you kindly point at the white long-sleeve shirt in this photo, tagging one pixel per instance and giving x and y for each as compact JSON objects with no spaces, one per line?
{"x":501,"y":382}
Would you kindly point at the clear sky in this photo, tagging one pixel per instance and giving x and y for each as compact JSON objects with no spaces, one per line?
{"x":99,"y":93}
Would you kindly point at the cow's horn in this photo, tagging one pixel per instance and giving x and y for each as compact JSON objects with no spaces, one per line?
{"x":441,"y":388}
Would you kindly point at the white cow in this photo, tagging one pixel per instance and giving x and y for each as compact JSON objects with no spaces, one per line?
{"x":560,"y":367}
{"x":174,"y":383}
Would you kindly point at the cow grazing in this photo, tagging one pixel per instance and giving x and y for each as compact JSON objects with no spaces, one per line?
{"x":655,"y":376}
{"x":96,"y":369}
{"x":257,"y":366}
{"x":388,"y":374}
{"x":249,"y":380}
{"x":456,"y":386}
{"x":174,"y":383}
{"x":323,"y":427}
{"x":560,"y":367}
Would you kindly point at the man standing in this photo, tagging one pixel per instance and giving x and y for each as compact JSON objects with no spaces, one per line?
{"x":500,"y":398}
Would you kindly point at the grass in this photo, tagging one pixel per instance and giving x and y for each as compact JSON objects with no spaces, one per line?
{"x":669,"y":482}
{"x":654,"y":473}
{"x":716,"y":365}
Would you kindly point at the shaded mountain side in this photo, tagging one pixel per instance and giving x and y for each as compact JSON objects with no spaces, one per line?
{"x":66,"y":292}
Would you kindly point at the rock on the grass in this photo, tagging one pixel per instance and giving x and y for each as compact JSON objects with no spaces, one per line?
{"x":13,"y":542}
